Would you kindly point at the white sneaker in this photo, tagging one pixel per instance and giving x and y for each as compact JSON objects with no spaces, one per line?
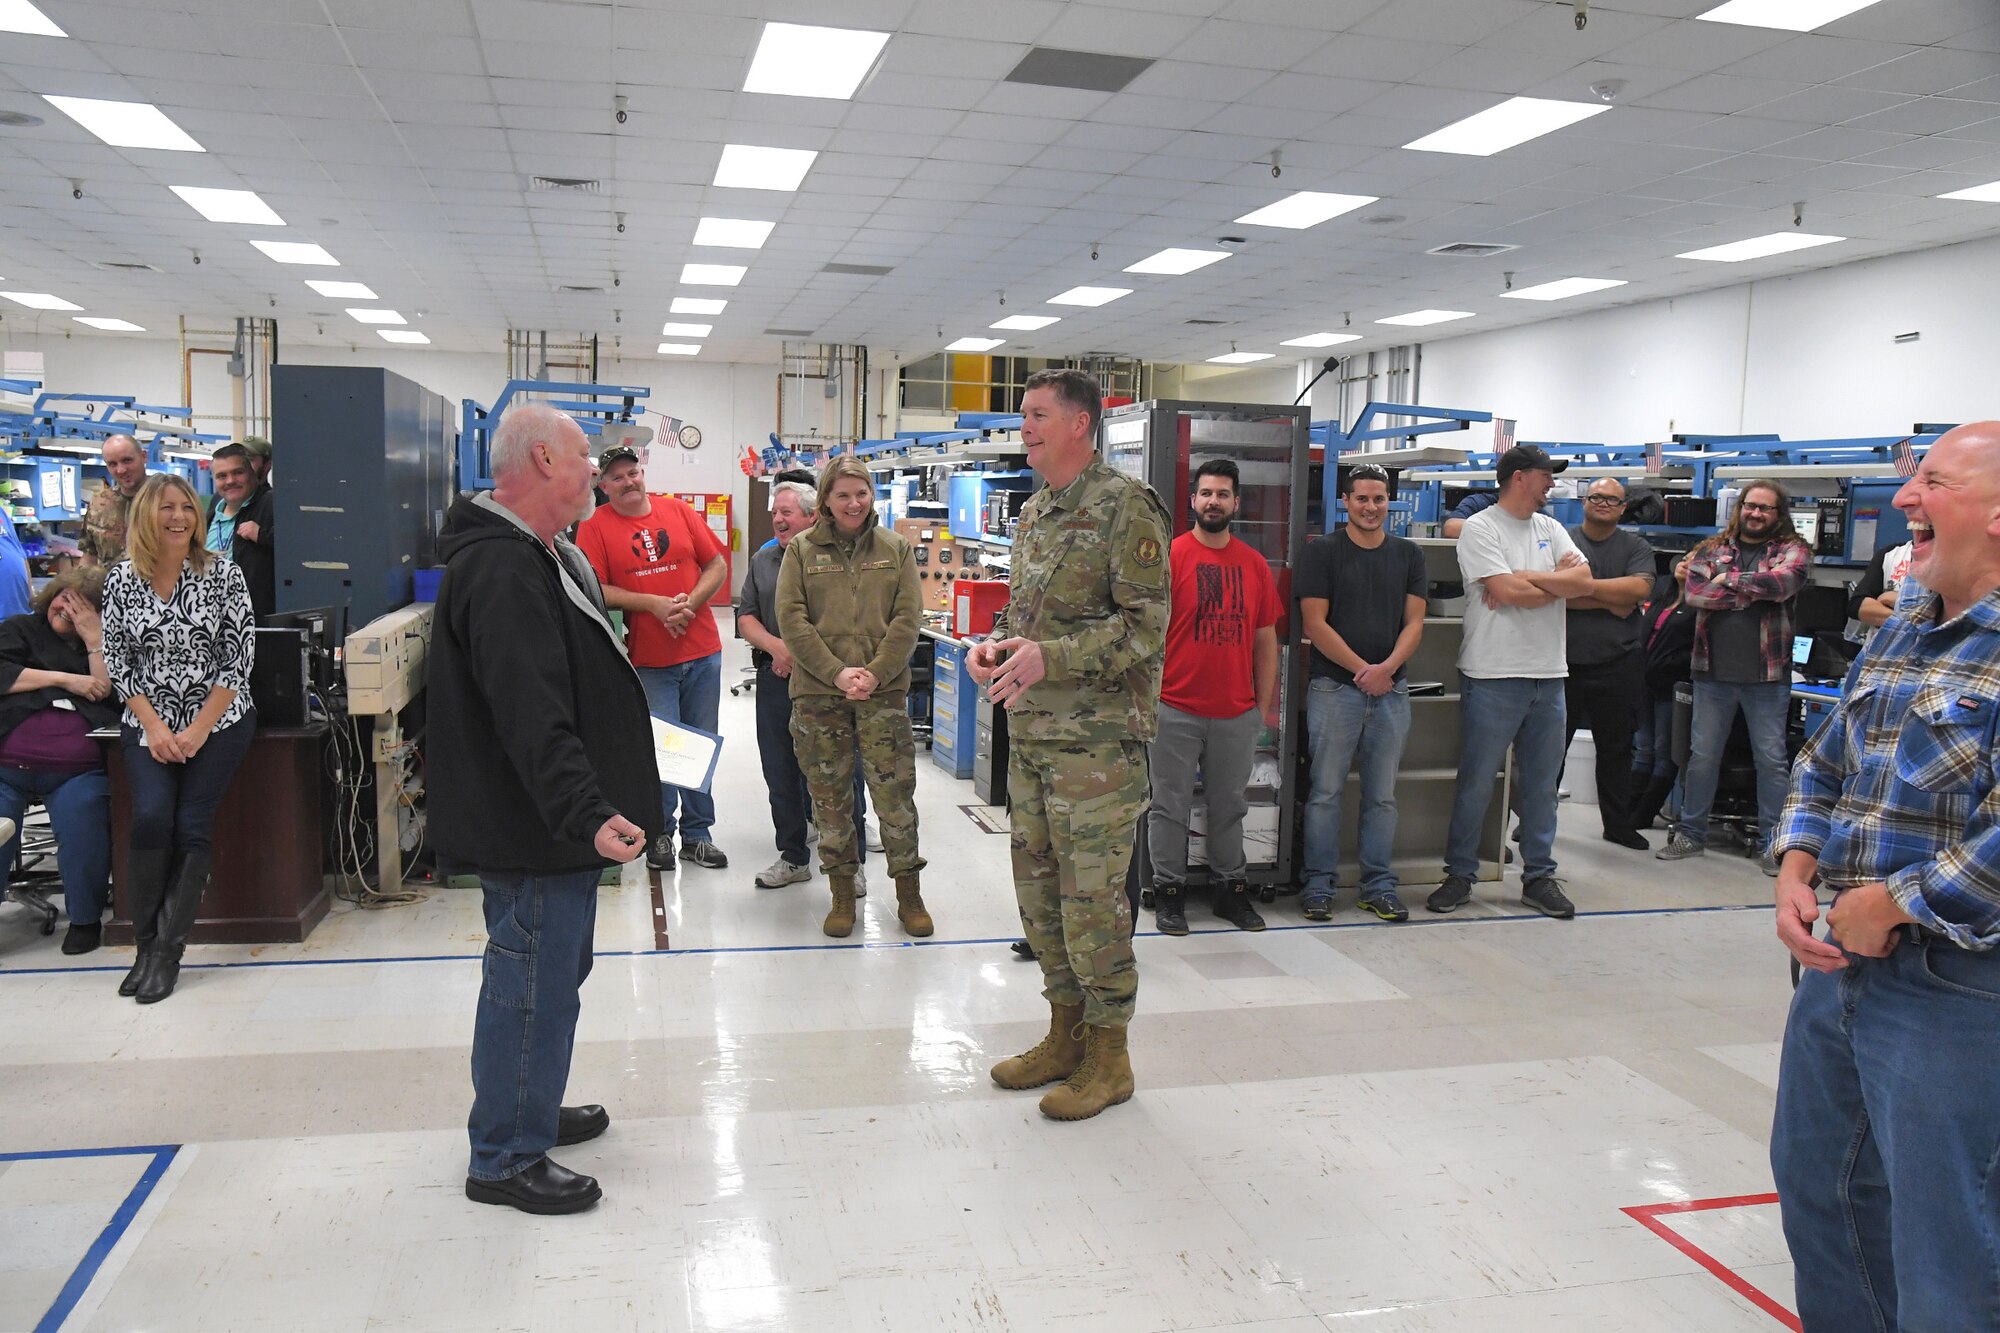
{"x":812,"y":834}
{"x":860,"y":881}
{"x":872,"y":835}
{"x":782,"y":872}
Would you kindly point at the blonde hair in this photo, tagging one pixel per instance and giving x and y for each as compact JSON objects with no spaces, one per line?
{"x":844,"y":466}
{"x":142,"y":539}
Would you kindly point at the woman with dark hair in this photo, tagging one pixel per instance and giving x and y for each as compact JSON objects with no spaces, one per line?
{"x":178,"y":643}
{"x":54,"y":691}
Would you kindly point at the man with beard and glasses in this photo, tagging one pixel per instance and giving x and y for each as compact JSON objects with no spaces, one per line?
{"x":1607,"y":654}
{"x":1742,"y":582}
{"x":1218,"y":692}
{"x":660,"y":564}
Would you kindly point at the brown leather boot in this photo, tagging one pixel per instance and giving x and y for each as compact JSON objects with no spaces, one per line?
{"x":910,"y":906}
{"x":840,"y":921}
{"x":1103,"y":1079}
{"x":1055,"y":1057}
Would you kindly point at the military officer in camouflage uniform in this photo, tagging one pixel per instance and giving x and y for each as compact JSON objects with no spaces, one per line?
{"x":1075,"y":658}
{"x":103,"y":540}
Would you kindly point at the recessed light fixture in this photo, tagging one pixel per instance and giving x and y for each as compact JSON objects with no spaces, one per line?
{"x":794,"y":60}
{"x":297,"y":252}
{"x":20,"y":16}
{"x":126,"y":124}
{"x":1240,"y":358}
{"x":673,"y":330}
{"x":750,"y":167}
{"x":1307,"y":208}
{"x":1420,"y":318}
{"x":378,"y":316}
{"x":696,"y":305}
{"x":1562,"y":288}
{"x":1090,"y":296}
{"x":402,"y":336}
{"x":39,"y":301}
{"x":712,"y":275}
{"x":1321,"y":340}
{"x":347,"y":291}
{"x":1757,"y":247}
{"x":739,"y":233}
{"x":109,"y":325}
{"x":1791,"y":15}
{"x":229,"y":205}
{"x":974,"y":344}
{"x":1175,"y":261}
{"x":1028,"y":322}
{"x":1514,"y":121}
{"x":1988,"y":193}
{"x":680,"y":349}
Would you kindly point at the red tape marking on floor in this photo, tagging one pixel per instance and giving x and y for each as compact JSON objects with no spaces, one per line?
{"x":1648,"y":1216}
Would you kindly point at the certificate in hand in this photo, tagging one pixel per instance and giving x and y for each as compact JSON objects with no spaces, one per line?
{"x":685,"y":755}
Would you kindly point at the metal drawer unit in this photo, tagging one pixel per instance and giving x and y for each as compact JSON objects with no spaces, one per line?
{"x":954,"y":711}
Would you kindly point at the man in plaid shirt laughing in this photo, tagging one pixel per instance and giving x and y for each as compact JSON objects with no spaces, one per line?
{"x":1887,"y":1132}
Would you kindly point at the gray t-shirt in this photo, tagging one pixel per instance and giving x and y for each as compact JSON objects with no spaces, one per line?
{"x":1599,"y":637}
{"x":1736,"y":638}
{"x":759,"y":594}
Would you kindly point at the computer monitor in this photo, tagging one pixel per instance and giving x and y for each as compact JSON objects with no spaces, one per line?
{"x":1802,"y":646}
{"x":321,"y":626}
{"x":1821,"y":607}
{"x":1807,"y":522}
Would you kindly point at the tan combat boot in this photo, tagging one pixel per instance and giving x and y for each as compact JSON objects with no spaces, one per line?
{"x":840,"y":920}
{"x":910,"y":906}
{"x":1103,"y":1079}
{"x":1055,"y":1057}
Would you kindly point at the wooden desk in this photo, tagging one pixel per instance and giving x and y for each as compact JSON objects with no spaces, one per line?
{"x":267,"y":885}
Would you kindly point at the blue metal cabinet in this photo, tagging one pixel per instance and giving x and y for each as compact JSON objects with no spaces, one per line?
{"x":954,"y":711}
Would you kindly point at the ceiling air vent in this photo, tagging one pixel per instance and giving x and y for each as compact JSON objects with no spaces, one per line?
{"x":858,"y":270}
{"x":1471,"y":249}
{"x":580,"y":291}
{"x":1204,"y":321}
{"x":1090,"y":71}
{"x":788,"y":333}
{"x":127,"y":266}
{"x":564,"y":184}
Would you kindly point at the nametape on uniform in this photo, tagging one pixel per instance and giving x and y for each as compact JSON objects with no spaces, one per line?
{"x":685,"y":756}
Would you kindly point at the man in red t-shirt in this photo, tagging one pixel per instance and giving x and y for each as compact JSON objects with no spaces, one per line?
{"x":1218,"y":692}
{"x":660,"y":564}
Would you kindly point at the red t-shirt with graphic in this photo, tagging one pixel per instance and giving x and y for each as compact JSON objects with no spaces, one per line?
{"x":1220,"y":599}
{"x":660,"y":555}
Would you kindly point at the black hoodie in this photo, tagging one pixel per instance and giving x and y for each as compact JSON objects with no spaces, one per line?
{"x":538,"y":724}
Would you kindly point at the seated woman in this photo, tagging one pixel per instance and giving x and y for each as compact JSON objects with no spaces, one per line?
{"x":53,"y":692}
{"x":178,"y":643}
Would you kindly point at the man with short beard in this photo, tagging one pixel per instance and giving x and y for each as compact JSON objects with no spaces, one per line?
{"x":103,"y":540}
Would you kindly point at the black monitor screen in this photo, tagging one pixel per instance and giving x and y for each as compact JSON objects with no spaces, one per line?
{"x":1822,"y":607}
{"x":322,"y":627}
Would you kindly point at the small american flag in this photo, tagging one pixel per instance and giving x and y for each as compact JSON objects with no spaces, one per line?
{"x":1904,"y":457}
{"x":1656,"y":458}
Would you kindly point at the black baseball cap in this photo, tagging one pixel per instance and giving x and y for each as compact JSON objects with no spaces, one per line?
{"x":1527,"y":458}
{"x":617,"y":453}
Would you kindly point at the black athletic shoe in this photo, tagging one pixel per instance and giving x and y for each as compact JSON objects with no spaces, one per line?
{"x":705,"y":854}
{"x":1232,"y":904}
{"x":1385,"y":905}
{"x":1454,"y":893}
{"x":1023,"y":950}
{"x":1168,"y":912}
{"x":1317,"y":906}
{"x":1547,"y":897}
{"x":660,"y":852}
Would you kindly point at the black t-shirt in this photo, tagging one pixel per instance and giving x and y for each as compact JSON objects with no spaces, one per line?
{"x":1598,"y":637}
{"x":1364,"y":591}
{"x":1736,"y":638}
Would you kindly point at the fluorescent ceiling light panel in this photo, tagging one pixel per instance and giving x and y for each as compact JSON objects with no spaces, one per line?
{"x":1514,"y":121}
{"x":1988,"y":193}
{"x":1090,"y":296}
{"x":696,"y":305}
{"x":672,"y":330}
{"x":1791,"y":15}
{"x":348,"y":291}
{"x":110,"y":325}
{"x":1321,"y":340}
{"x":1563,"y":288}
{"x":126,"y":124}
{"x":402,"y":335}
{"x":229,"y":205}
{"x":1176,"y":261}
{"x":1240,"y":358}
{"x":712,"y":275}
{"x":974,"y":344}
{"x":1419,"y":318}
{"x":297,"y":252}
{"x":39,"y":301}
{"x":1757,"y":247}
{"x":740,"y":233}
{"x":378,"y":316}
{"x":799,"y":61}
{"x":20,"y":16}
{"x":680,"y":349}
{"x":749,"y":167}
{"x":1307,"y":208}
{"x":1027,"y":322}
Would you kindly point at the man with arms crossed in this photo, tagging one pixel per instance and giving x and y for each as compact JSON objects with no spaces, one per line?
{"x":1607,"y":654}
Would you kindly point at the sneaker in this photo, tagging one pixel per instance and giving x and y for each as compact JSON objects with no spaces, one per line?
{"x":1232,"y":904}
{"x":1169,"y":913}
{"x":660,"y":852}
{"x":1768,"y":864}
{"x":812,"y":834}
{"x":1679,"y":848}
{"x":705,"y":854}
{"x":1022,"y":951}
{"x":1626,"y":837}
{"x":1385,"y":905}
{"x":1454,"y":893}
{"x":1316,"y":906}
{"x":782,"y":872}
{"x":1547,"y":897}
{"x":872,"y":834}
{"x":860,"y":881}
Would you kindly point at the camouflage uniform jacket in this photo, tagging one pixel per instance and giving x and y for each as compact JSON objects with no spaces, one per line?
{"x":848,"y":603}
{"x":1090,"y":585}
{"x":104,"y":525}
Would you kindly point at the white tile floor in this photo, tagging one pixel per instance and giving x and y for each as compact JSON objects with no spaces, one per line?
{"x":1352,"y":1127}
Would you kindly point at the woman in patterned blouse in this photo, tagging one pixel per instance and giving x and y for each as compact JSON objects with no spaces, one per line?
{"x":178,"y":643}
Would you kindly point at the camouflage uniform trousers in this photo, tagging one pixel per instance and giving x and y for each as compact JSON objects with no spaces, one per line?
{"x":1077,"y":806}
{"x":825,"y":731}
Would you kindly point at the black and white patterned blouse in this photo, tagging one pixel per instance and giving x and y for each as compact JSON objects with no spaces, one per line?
{"x":173,"y":651}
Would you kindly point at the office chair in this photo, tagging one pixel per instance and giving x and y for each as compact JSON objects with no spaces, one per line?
{"x":34,"y":882}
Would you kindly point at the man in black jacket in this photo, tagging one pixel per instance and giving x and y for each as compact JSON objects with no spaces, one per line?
{"x":540,"y":774}
{"x":239,"y":524}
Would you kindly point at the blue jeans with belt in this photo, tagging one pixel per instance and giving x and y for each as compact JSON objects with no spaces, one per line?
{"x":1346,"y":724}
{"x":1526,"y":715}
{"x":688,"y":692}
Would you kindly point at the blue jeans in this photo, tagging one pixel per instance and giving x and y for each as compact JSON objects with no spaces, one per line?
{"x":1885,"y":1141}
{"x":1527,"y":715}
{"x":174,"y":805}
{"x":79,"y":806}
{"x":791,"y":802}
{"x":1764,"y":710}
{"x":689,"y":692}
{"x":539,"y":930}
{"x":1653,"y":743}
{"x":1344,"y":723}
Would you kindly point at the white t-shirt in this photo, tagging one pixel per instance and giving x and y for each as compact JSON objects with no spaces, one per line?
{"x":1512,"y":642}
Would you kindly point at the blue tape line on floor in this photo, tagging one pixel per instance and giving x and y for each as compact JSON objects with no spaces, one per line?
{"x":114,"y":1230}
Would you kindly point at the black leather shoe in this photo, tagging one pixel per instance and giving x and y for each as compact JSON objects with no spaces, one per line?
{"x":579,"y":1124}
{"x":544,"y":1189}
{"x":1626,"y":837}
{"x":1023,"y":950}
{"x":83,"y":939}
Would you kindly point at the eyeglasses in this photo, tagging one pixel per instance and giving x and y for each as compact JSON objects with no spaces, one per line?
{"x":1604,"y":501}
{"x":1759,"y":509}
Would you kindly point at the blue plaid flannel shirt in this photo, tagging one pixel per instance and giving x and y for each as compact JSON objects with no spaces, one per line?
{"x":1901,"y":785}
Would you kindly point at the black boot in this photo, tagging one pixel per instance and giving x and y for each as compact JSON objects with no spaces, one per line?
{"x":1168,"y":912}
{"x":177,"y":916}
{"x":145,"y":886}
{"x":1647,"y":808}
{"x":1232,"y":904}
